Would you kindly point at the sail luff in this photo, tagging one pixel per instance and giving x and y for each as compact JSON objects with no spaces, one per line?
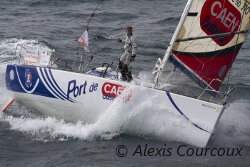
{"x":172,"y":42}
{"x":176,"y":33}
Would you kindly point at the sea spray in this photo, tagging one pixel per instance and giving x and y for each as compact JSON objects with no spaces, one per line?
{"x":7,"y":54}
{"x":233,"y":127}
{"x":143,"y":116}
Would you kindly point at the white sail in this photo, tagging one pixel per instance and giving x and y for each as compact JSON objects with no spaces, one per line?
{"x":210,"y":39}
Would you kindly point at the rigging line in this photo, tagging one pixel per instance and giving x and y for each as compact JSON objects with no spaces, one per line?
{"x":193,"y":42}
{"x":211,"y":36}
{"x":192,"y":25}
{"x":198,"y":20}
{"x":190,"y":45}
{"x":87,"y":28}
{"x":203,"y":63}
{"x":202,"y":44}
{"x":219,"y":53}
{"x":204,"y":24}
{"x":207,"y":23}
{"x":229,"y":74}
{"x":92,"y":14}
{"x":210,"y":58}
{"x":223,"y":7}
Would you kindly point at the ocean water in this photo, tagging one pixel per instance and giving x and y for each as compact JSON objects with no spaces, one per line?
{"x":30,"y":139}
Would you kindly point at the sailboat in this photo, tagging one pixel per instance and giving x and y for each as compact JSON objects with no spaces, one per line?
{"x":204,"y":45}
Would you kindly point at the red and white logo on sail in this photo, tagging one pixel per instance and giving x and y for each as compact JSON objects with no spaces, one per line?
{"x":220,"y":16}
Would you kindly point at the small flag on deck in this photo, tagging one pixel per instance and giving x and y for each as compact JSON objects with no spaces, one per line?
{"x":84,"y":40}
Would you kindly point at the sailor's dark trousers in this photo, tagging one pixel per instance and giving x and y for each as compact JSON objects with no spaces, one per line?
{"x":125,"y":71}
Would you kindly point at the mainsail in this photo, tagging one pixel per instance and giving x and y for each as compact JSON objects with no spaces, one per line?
{"x":210,"y":38}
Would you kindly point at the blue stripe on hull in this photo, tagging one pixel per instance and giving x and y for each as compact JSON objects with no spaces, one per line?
{"x":44,"y":78}
{"x":58,"y":88}
{"x":178,"y":109}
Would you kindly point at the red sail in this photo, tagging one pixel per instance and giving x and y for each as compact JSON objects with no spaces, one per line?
{"x":209,"y":68}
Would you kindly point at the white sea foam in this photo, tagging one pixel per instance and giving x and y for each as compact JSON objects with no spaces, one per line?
{"x":7,"y":53}
{"x":144,"y":120}
{"x":8,"y":47}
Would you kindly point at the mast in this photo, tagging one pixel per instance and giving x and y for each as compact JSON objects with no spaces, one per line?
{"x":160,"y":64}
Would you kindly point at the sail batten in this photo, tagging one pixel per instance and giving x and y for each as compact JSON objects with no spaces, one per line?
{"x":211,"y":36}
{"x":210,"y":39}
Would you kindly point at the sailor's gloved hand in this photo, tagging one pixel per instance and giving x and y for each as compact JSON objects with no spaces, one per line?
{"x":132,"y":59}
{"x":119,"y":40}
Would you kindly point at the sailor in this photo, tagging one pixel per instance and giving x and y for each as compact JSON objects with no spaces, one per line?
{"x":129,"y":54}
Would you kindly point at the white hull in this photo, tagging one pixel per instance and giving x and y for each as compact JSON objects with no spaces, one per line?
{"x":56,"y":93}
